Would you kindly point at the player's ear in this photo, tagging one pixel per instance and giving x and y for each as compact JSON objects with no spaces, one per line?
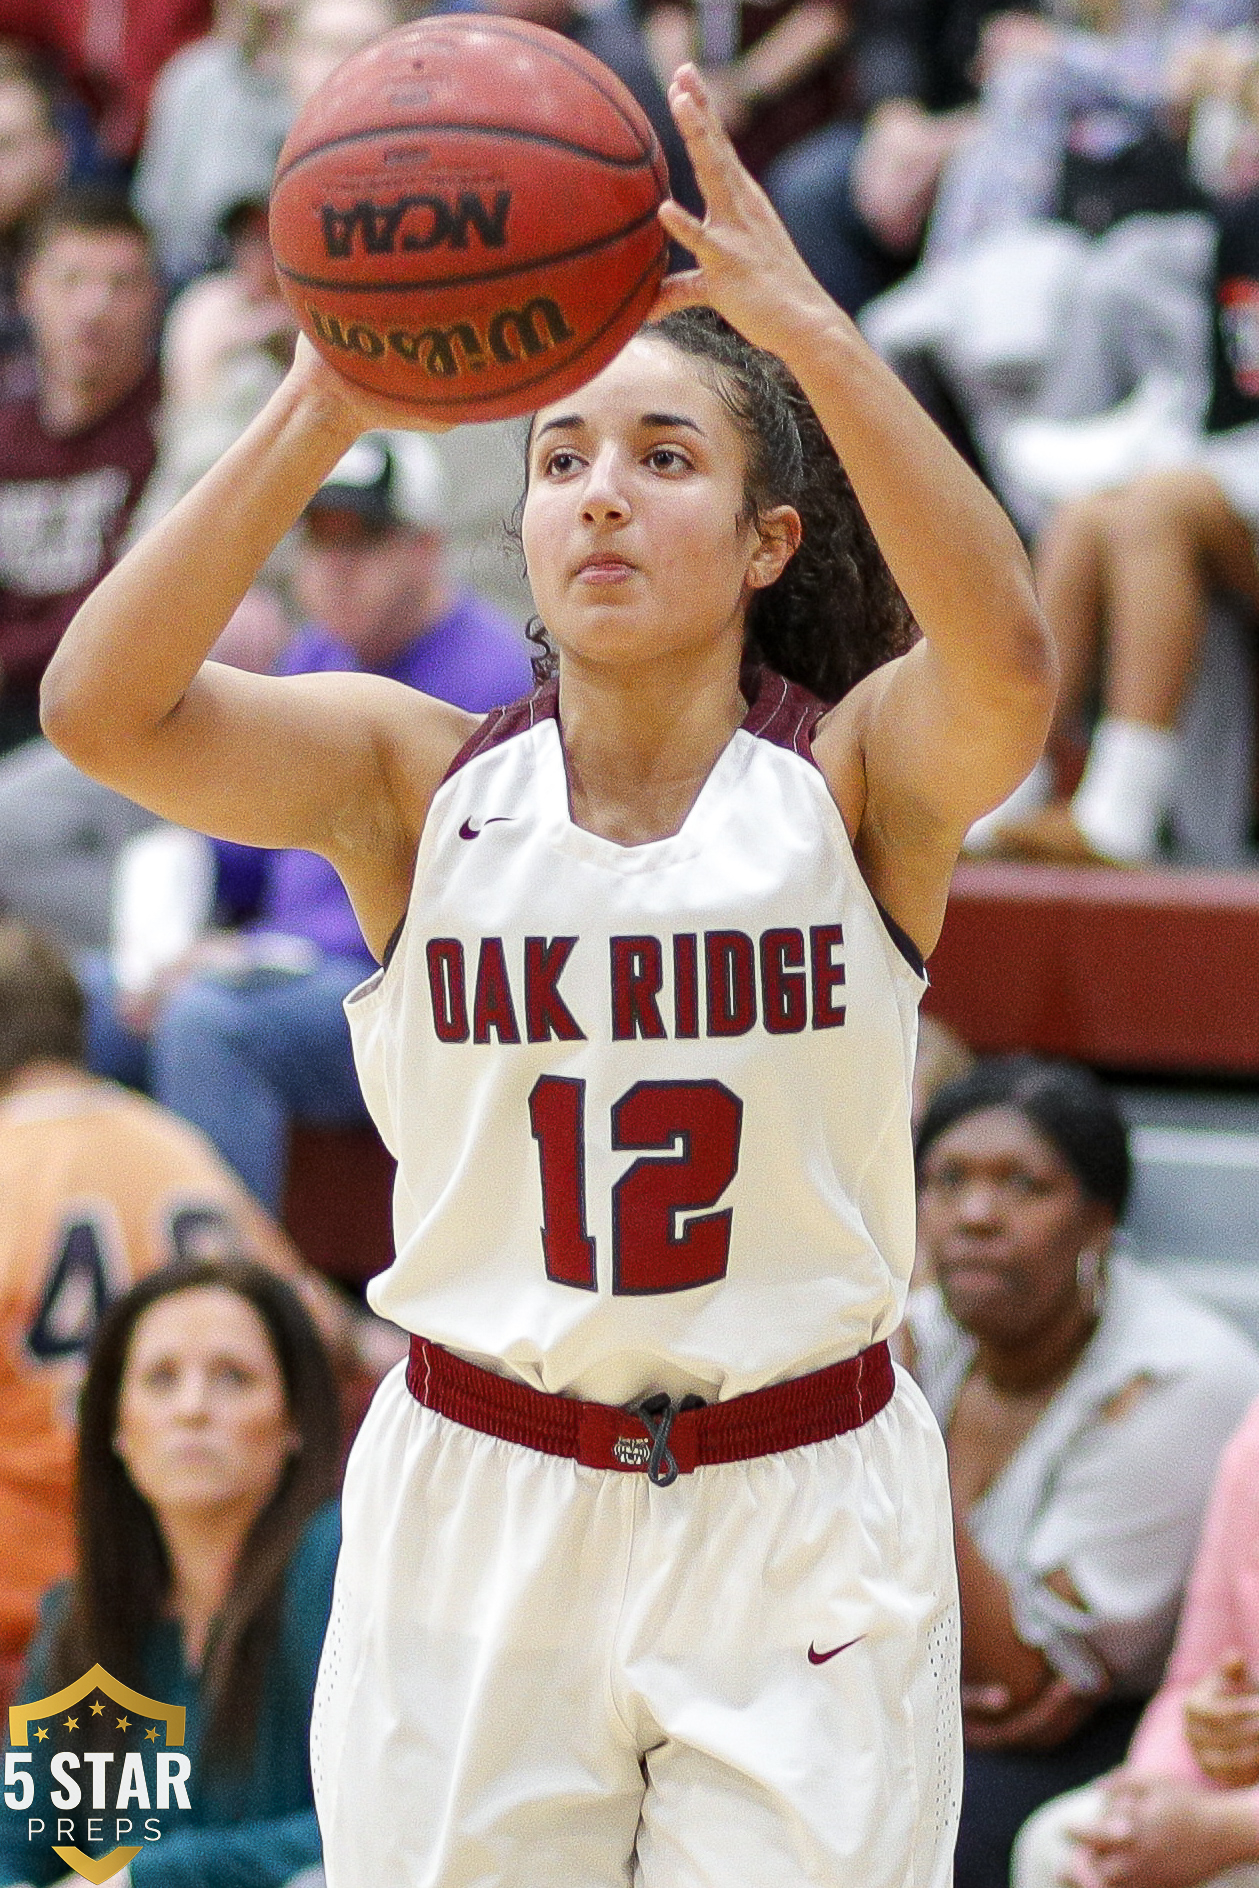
{"x":779,"y":531}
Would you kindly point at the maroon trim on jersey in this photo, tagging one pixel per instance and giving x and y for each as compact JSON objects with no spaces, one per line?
{"x":903,"y":942}
{"x":781,"y":712}
{"x":503,"y":724}
{"x":791,"y":1415}
{"x":778,"y":711}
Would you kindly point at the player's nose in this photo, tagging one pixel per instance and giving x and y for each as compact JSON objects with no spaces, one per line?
{"x":604,"y":496}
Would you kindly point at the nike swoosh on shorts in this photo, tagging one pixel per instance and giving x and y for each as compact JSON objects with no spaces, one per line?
{"x":820,"y":1658}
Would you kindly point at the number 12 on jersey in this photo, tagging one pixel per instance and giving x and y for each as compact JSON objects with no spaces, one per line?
{"x":688,"y":1133}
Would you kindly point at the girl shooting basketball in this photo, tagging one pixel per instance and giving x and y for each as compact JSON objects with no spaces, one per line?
{"x":647,"y":1571}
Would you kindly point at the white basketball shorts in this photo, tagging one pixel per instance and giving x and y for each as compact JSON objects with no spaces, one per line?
{"x":542,"y":1675}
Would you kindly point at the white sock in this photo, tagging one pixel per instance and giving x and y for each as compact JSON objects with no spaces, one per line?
{"x":1120,"y":803}
{"x":1028,"y":797}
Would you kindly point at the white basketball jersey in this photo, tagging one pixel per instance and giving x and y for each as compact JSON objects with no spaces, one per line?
{"x":650,"y":1104}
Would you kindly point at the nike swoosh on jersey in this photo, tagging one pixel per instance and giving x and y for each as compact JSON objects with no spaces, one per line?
{"x":469,"y":831}
{"x":820,"y":1658}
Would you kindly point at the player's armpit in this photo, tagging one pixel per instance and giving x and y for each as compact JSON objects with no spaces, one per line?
{"x":911,"y":762}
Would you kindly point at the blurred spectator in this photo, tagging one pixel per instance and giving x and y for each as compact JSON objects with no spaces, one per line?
{"x":1182,"y":1812}
{"x":248,"y":1032}
{"x":97,"y":1188}
{"x":207,"y":1547}
{"x":109,"y":53}
{"x":227,"y":342}
{"x":1126,"y":574}
{"x":220,"y":112}
{"x":33,"y":160}
{"x":61,"y":833}
{"x":1076,"y":118}
{"x":612,"y":31}
{"x":75,"y":454}
{"x":1081,"y":119}
{"x":1084,"y":1404}
{"x":59,"y":836}
{"x":856,"y":194}
{"x":326,"y":32}
{"x":942,"y":1056}
{"x":235,"y":313}
{"x":774,"y":69}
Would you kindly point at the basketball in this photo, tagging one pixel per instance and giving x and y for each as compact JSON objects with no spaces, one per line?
{"x":464,"y":217}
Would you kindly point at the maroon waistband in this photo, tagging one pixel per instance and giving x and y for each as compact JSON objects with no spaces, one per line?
{"x":638,"y":1440}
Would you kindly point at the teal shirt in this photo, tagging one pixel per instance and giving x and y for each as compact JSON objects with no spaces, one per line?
{"x":252,"y":1829}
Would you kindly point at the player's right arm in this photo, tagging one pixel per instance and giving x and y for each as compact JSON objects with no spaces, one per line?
{"x":343,"y":765}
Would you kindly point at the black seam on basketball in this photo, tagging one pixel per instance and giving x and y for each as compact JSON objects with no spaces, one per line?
{"x":504,"y":28}
{"x":594,"y":80}
{"x":526,"y":267}
{"x":512,"y":132}
{"x":420,"y":395}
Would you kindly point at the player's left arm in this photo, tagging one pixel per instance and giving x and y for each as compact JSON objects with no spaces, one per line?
{"x":921,"y":748}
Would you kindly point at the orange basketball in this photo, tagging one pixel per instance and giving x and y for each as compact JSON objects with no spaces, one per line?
{"x":464,"y":216}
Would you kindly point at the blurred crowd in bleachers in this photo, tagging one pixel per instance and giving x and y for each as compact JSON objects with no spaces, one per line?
{"x":1048,"y":221}
{"x":1046,"y":218}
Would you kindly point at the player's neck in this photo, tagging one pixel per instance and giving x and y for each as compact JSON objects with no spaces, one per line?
{"x":639,"y":746}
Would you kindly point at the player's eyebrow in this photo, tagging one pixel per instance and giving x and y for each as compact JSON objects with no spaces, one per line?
{"x":669,"y":420}
{"x":568,"y":422}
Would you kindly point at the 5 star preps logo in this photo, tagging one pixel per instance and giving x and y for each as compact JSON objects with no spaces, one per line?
{"x":95,"y":1770}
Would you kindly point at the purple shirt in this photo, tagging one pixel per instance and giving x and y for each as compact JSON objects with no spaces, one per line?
{"x":472,"y":657}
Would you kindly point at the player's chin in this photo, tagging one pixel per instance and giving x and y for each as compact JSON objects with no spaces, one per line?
{"x":612,"y":638}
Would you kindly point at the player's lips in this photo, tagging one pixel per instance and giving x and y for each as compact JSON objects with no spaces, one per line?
{"x":604,"y":567}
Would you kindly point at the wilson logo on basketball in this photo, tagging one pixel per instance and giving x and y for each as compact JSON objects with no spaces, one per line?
{"x":511,"y":335}
{"x":415,"y":224}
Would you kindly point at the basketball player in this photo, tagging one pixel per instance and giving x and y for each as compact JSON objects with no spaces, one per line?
{"x":648,"y":1572}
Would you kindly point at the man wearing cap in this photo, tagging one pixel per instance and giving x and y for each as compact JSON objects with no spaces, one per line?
{"x":250,"y":1034}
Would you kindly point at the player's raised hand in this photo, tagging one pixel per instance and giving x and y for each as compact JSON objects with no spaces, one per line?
{"x":748,"y":268}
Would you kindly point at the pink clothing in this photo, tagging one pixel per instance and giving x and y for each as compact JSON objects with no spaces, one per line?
{"x":1221,"y":1611}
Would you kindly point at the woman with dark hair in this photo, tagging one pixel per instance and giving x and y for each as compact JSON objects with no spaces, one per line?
{"x":1084,"y":1404}
{"x":208,"y":1447}
{"x":647,"y":1569}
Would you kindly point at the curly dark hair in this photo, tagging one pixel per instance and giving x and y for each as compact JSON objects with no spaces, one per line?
{"x":836,"y":612}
